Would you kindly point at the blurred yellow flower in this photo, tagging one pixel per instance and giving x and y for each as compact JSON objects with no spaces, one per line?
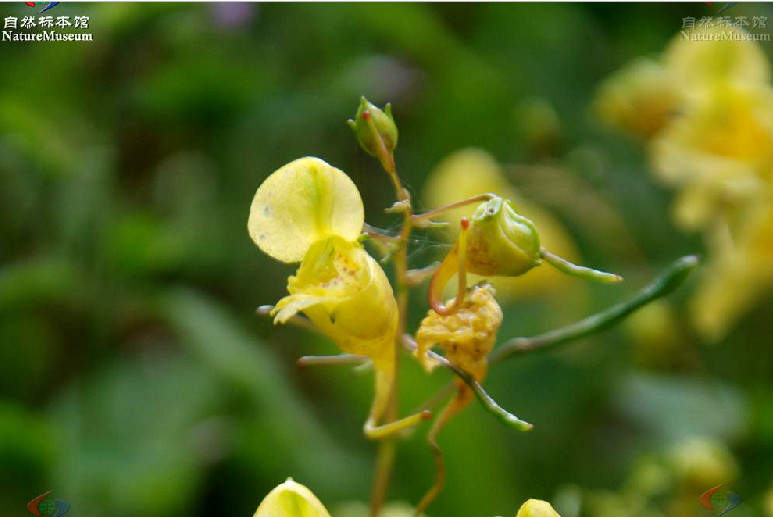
{"x":718,"y":152}
{"x":716,"y":148}
{"x":536,"y":508}
{"x":739,"y":272}
{"x":291,"y":499}
{"x":656,"y":332}
{"x":639,"y":98}
{"x":708,"y":104}
{"x":470,"y":172}
{"x":701,"y":463}
{"x":705,"y":56}
{"x":646,"y":94}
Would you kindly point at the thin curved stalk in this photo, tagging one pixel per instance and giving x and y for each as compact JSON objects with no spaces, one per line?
{"x":488,"y":403}
{"x":662,"y":285}
{"x":331,"y":360}
{"x":419,"y":218}
{"x":583,"y":272}
{"x":454,"y":263}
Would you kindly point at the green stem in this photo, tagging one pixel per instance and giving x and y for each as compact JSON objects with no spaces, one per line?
{"x":387,"y":448}
{"x":385,"y":460}
{"x":664,"y":284}
{"x":488,"y":403}
{"x":330,"y":360}
{"x":585,"y":273}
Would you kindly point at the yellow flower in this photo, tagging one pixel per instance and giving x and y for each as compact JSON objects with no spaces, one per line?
{"x":739,"y":272}
{"x":639,"y":98}
{"x":703,"y":57}
{"x":345,"y":293}
{"x":719,"y":152}
{"x":466,"y":336}
{"x":656,"y":332}
{"x":291,"y":499}
{"x":470,"y":172}
{"x":701,"y":462}
{"x":536,"y":508}
{"x":311,"y":212}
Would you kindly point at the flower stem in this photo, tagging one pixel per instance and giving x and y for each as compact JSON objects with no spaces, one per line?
{"x":488,"y":403}
{"x":583,"y":272}
{"x":664,"y":284}
{"x":330,"y":360}
{"x":386,"y":454}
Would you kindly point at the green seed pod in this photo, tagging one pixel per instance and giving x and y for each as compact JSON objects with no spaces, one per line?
{"x":500,"y":241}
{"x":372,"y":126}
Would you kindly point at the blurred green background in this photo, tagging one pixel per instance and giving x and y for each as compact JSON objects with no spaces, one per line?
{"x":135,"y":377}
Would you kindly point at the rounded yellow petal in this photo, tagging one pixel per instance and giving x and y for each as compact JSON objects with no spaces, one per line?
{"x":302,"y":203}
{"x":291,"y":499}
{"x":536,"y":508}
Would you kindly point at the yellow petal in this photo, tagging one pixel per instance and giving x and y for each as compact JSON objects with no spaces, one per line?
{"x":302,"y":203}
{"x":536,"y":508}
{"x":346,"y":295}
{"x":291,"y":499}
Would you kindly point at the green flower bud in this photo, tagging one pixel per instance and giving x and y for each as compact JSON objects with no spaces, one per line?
{"x":500,"y":241}
{"x":375,"y":129}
